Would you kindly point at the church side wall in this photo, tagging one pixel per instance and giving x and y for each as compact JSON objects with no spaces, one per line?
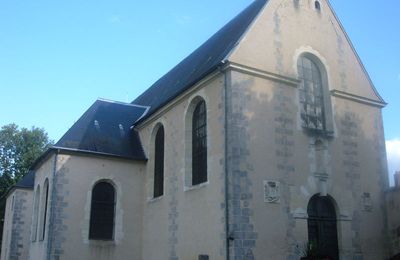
{"x":186,"y":221}
{"x":7,"y":227}
{"x":393,"y":212}
{"x":75,"y":177}
{"x":38,"y":246}
{"x":16,"y":233}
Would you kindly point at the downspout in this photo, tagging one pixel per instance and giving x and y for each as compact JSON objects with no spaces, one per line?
{"x":52,"y":198}
{"x":226,"y":166}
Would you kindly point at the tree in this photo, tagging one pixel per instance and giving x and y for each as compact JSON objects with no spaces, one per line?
{"x":18,"y":151}
{"x":19,"y":148}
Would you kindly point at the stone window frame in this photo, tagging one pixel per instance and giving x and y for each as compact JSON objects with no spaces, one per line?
{"x":90,"y":236}
{"x":35,"y":217}
{"x":44,"y":200}
{"x":327,"y":112}
{"x":188,"y":179}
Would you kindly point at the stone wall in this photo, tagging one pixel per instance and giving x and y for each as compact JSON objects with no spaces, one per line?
{"x":17,"y":225}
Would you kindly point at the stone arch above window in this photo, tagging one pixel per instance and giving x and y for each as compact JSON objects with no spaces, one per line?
{"x":102,"y":211}
{"x":196,"y":143}
{"x":314,"y":95}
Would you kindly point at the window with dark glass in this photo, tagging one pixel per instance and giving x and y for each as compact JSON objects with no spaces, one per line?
{"x":311,"y":95}
{"x":102,"y":212}
{"x":317,"y":6}
{"x":159,"y":163}
{"x":44,"y":212}
{"x":36,"y":214}
{"x":322,"y":227}
{"x":199,"y":144}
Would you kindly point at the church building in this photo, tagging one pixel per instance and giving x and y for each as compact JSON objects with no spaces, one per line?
{"x":265,"y":143}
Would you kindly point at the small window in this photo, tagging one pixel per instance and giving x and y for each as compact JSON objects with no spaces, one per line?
{"x":102,"y":212}
{"x":317,"y":6}
{"x":36,"y":214}
{"x":43,"y":211}
{"x":159,"y":163}
{"x":199,"y":144}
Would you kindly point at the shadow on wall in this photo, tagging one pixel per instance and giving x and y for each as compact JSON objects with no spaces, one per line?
{"x":266,"y":142}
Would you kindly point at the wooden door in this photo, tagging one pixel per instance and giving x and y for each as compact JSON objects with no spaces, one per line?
{"x":322,"y":226}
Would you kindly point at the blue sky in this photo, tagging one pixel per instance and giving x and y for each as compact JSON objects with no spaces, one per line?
{"x":58,"y":57}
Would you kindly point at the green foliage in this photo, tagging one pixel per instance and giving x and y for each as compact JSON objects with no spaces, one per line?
{"x":310,"y":250}
{"x":19,"y":148}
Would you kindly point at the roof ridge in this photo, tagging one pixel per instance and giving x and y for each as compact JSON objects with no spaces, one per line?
{"x":201,"y":62}
{"x":246,"y":31}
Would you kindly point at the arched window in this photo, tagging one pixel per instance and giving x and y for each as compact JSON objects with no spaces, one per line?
{"x":102,"y":212}
{"x":199,"y":144}
{"x":35,"y":214}
{"x":314,"y":95}
{"x":43,"y":209}
{"x":159,"y":163}
{"x":317,"y":5}
{"x":322,"y":228}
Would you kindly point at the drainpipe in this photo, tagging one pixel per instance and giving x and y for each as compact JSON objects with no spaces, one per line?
{"x":51,"y":217}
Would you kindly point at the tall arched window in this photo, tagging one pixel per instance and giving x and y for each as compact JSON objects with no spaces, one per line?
{"x":43,"y":210}
{"x":314,"y":95}
{"x":322,"y":228}
{"x":102,"y":212}
{"x":36,"y":214}
{"x":159,"y":163}
{"x":199,"y":144}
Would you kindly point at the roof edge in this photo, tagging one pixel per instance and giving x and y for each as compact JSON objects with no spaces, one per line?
{"x":234,"y":48}
{"x":218,"y":70}
{"x":192,"y":85}
{"x":356,"y":53}
{"x":87,"y":152}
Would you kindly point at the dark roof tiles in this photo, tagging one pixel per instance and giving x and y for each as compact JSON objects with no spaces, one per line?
{"x":106,"y":128}
{"x":201,"y":62}
{"x":27,"y":181}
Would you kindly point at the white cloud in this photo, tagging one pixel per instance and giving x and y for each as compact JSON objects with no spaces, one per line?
{"x":393,"y":155}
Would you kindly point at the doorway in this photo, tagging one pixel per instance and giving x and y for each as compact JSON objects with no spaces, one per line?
{"x":322,"y":226}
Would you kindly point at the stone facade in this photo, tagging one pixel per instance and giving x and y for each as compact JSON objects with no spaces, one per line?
{"x":393,"y":212}
{"x":17,"y":225}
{"x":264,"y":167}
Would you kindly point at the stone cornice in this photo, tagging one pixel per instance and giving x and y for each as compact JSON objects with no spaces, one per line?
{"x":359,"y":99}
{"x":260,"y":73}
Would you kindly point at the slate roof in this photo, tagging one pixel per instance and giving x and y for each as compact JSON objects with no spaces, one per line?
{"x":27,"y":182}
{"x":106,"y":128}
{"x":207,"y":58}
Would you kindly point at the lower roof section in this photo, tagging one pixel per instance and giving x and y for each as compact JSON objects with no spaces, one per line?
{"x":106,"y":128}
